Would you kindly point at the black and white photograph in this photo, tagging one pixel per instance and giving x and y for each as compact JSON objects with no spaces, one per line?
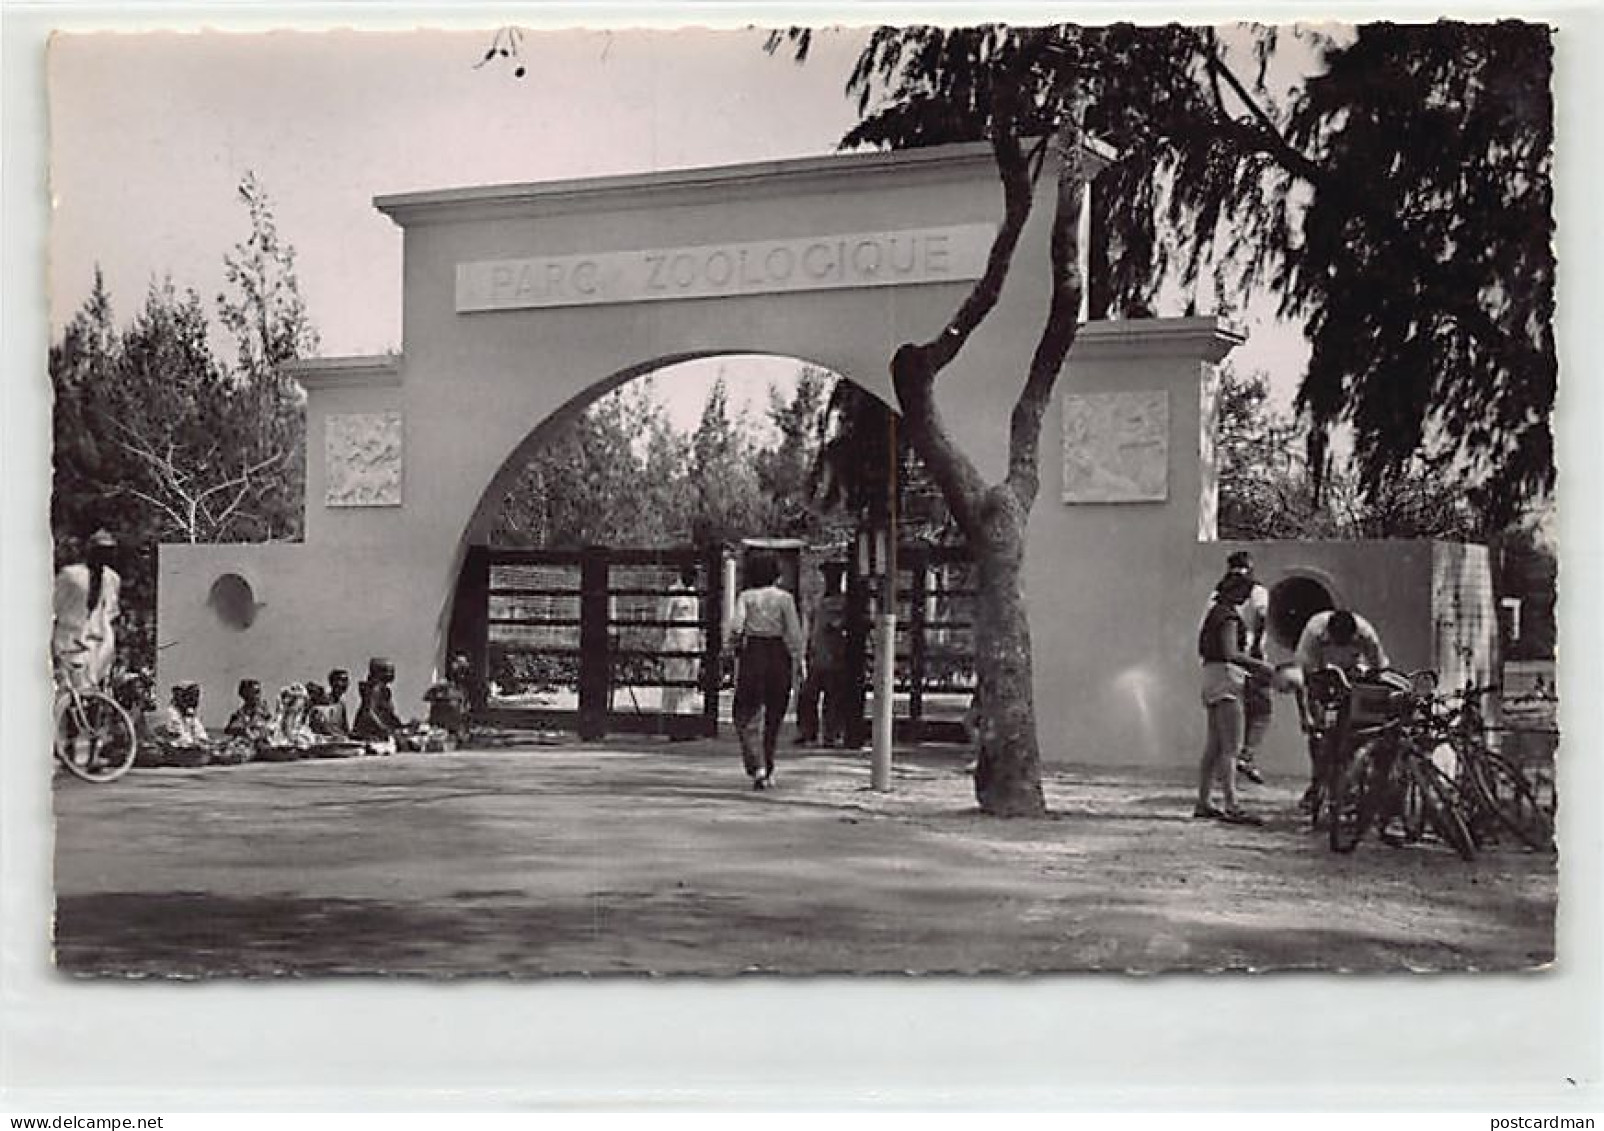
{"x":882,"y":500}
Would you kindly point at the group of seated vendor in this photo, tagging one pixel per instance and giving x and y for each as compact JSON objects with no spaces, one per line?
{"x":308,"y":721}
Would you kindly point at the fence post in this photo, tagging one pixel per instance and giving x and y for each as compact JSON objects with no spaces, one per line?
{"x":918,"y":559}
{"x":857,"y":652}
{"x":595,"y":645}
{"x":712,"y":638}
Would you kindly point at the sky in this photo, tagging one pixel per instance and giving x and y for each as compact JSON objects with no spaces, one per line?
{"x":151,"y":133}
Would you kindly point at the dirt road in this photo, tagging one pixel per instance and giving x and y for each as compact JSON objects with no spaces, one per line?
{"x":657,"y":858}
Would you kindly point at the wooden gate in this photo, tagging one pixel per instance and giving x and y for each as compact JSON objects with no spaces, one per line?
{"x":935,"y":664}
{"x":598,"y":641}
{"x":935,"y":670}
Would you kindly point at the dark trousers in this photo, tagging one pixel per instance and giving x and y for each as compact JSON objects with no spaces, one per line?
{"x":826,"y":686}
{"x":762,"y":687}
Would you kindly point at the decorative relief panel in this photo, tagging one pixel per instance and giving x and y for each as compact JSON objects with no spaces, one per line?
{"x":363,"y":457}
{"x":1116,"y":447}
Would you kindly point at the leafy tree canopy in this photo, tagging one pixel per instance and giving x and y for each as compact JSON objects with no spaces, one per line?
{"x":158,"y":440}
{"x":622,"y":474}
{"x":1398,"y":201}
{"x":1267,"y":487}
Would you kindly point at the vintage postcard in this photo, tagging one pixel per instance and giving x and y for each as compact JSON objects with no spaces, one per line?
{"x":916,"y":500}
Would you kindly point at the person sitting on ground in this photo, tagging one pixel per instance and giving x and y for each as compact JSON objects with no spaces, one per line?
{"x":365,"y":727}
{"x":252,"y":719}
{"x":450,"y":700}
{"x":250,"y":727}
{"x":1336,"y":638}
{"x":179,"y":737}
{"x":1222,"y":649}
{"x":331,"y":741}
{"x":291,"y":736}
{"x":377,"y":722}
{"x":320,"y":713}
{"x":337,"y":720}
{"x":236,"y":745}
{"x":135,"y":693}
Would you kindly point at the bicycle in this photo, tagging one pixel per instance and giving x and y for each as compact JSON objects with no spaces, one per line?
{"x":1390,"y":774}
{"x":1321,"y":704}
{"x":94,"y":737}
{"x":1499,"y":797}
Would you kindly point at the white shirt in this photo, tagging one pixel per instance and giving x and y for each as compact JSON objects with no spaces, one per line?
{"x":1316,"y":650}
{"x":769,"y":611}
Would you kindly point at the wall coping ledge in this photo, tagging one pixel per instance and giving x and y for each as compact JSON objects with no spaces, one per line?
{"x":363,"y":371}
{"x":480,"y":201}
{"x":734,"y":181}
{"x":1207,"y":338}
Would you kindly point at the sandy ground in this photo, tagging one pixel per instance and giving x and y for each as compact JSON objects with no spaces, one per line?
{"x":658,"y":858}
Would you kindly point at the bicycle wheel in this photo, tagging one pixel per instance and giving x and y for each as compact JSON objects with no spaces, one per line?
{"x":1317,"y":799}
{"x":1355,"y":794}
{"x":1443,"y":804}
{"x":1505,"y":795}
{"x":95,"y":738}
{"x":1410,"y":810}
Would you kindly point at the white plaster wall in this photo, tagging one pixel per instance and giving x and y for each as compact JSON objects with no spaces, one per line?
{"x":316,"y":613}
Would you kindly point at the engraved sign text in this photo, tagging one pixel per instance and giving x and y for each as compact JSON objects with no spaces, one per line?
{"x":873,"y":259}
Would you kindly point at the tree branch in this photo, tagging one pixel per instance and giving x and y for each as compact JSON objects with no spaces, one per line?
{"x":165,"y":469}
{"x":1063,"y":315}
{"x":915,"y":366}
{"x":1014,"y":168}
{"x":243,"y":477}
{"x":167,"y":509}
{"x":1268,"y":139}
{"x":1514,"y":355}
{"x":245,"y":488}
{"x":954,"y":472}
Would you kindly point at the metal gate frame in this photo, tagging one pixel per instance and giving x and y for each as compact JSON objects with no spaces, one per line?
{"x":915,"y":654}
{"x":598,"y":652}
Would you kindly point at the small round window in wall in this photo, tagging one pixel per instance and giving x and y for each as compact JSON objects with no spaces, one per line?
{"x":233,"y":601}
{"x":1293,"y":601}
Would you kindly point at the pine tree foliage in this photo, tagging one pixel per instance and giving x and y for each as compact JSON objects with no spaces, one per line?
{"x":159,"y":440}
{"x":1398,"y":200}
{"x":622,"y":474}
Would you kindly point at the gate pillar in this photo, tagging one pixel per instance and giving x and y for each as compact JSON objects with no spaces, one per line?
{"x":595,"y":644}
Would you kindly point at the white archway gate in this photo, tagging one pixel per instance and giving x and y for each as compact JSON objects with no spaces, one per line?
{"x":521,"y":303}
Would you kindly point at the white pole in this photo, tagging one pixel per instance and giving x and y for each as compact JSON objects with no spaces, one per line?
{"x":885,"y":669}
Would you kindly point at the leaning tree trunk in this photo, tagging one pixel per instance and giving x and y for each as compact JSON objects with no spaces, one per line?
{"x":993,"y":517}
{"x":1008,"y":769}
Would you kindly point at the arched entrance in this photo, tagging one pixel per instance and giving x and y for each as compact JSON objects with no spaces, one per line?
{"x":520,"y":301}
{"x":609,"y":619}
{"x":596,"y":566}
